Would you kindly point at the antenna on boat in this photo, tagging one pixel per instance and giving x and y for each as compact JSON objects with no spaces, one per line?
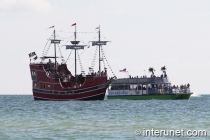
{"x":75,"y":47}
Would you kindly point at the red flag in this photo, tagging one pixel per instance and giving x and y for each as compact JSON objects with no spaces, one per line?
{"x":51,"y":27}
{"x":73,"y":24}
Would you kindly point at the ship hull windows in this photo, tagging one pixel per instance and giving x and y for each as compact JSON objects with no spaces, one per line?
{"x":33,"y":75}
{"x":36,"y":85}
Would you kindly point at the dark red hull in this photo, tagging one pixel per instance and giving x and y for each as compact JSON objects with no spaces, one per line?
{"x":53,"y":88}
{"x":65,"y":98}
{"x":97,"y":94}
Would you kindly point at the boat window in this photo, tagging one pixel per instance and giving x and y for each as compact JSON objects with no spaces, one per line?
{"x":36,"y":85}
{"x":144,"y":87}
{"x":112,"y":87}
{"x":139,"y":87}
{"x":133,"y":87}
{"x":44,"y":85}
{"x":125,"y":87}
{"x":33,"y":73}
{"x":48,"y":86}
{"x":136,"y":87}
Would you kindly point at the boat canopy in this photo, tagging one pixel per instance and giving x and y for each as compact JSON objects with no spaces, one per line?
{"x":140,"y":80}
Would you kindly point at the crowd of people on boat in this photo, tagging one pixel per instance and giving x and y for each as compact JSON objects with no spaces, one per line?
{"x":60,"y":71}
{"x":152,"y":76}
{"x":102,"y":73}
{"x":184,"y":86}
{"x":57,"y":70}
{"x":132,"y":77}
{"x":52,"y":67}
{"x":68,"y":80}
{"x":150,"y":86}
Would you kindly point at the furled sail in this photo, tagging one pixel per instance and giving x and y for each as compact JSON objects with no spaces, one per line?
{"x":77,"y":47}
{"x":75,"y":42}
{"x":55,"y":41}
{"x":94,"y":43}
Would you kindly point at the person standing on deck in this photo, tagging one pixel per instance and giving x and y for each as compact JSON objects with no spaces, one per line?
{"x":69,"y":77}
{"x":50,"y":63}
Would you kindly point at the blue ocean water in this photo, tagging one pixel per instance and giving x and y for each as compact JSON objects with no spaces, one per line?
{"x":23,"y":118}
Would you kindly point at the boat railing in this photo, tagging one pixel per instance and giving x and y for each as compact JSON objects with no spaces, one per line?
{"x":159,"y":91}
{"x":168,"y":91}
{"x":39,"y":63}
{"x":141,"y":80}
{"x":184,"y":90}
{"x":159,"y":79}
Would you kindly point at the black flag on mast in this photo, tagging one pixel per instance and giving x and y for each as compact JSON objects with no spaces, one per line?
{"x":31,"y":54}
{"x":35,"y":58}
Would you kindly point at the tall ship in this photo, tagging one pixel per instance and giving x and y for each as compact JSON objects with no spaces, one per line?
{"x":54,"y":81}
{"x":147,"y":88}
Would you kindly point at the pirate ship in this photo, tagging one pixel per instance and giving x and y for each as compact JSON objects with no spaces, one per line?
{"x":54,"y":81}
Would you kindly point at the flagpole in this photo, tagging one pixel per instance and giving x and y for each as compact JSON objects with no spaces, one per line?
{"x":127,"y":74}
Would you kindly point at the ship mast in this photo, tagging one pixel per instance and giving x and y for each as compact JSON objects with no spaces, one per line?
{"x":75,"y":47}
{"x":75,"y":55}
{"x":99,"y":37}
{"x":54,"y":41}
{"x":55,"y":51}
{"x":99,"y":43}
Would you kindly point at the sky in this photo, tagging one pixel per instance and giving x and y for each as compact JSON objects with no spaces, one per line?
{"x":143,"y":34}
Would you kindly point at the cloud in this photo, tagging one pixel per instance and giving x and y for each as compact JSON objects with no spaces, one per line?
{"x":17,"y":5}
